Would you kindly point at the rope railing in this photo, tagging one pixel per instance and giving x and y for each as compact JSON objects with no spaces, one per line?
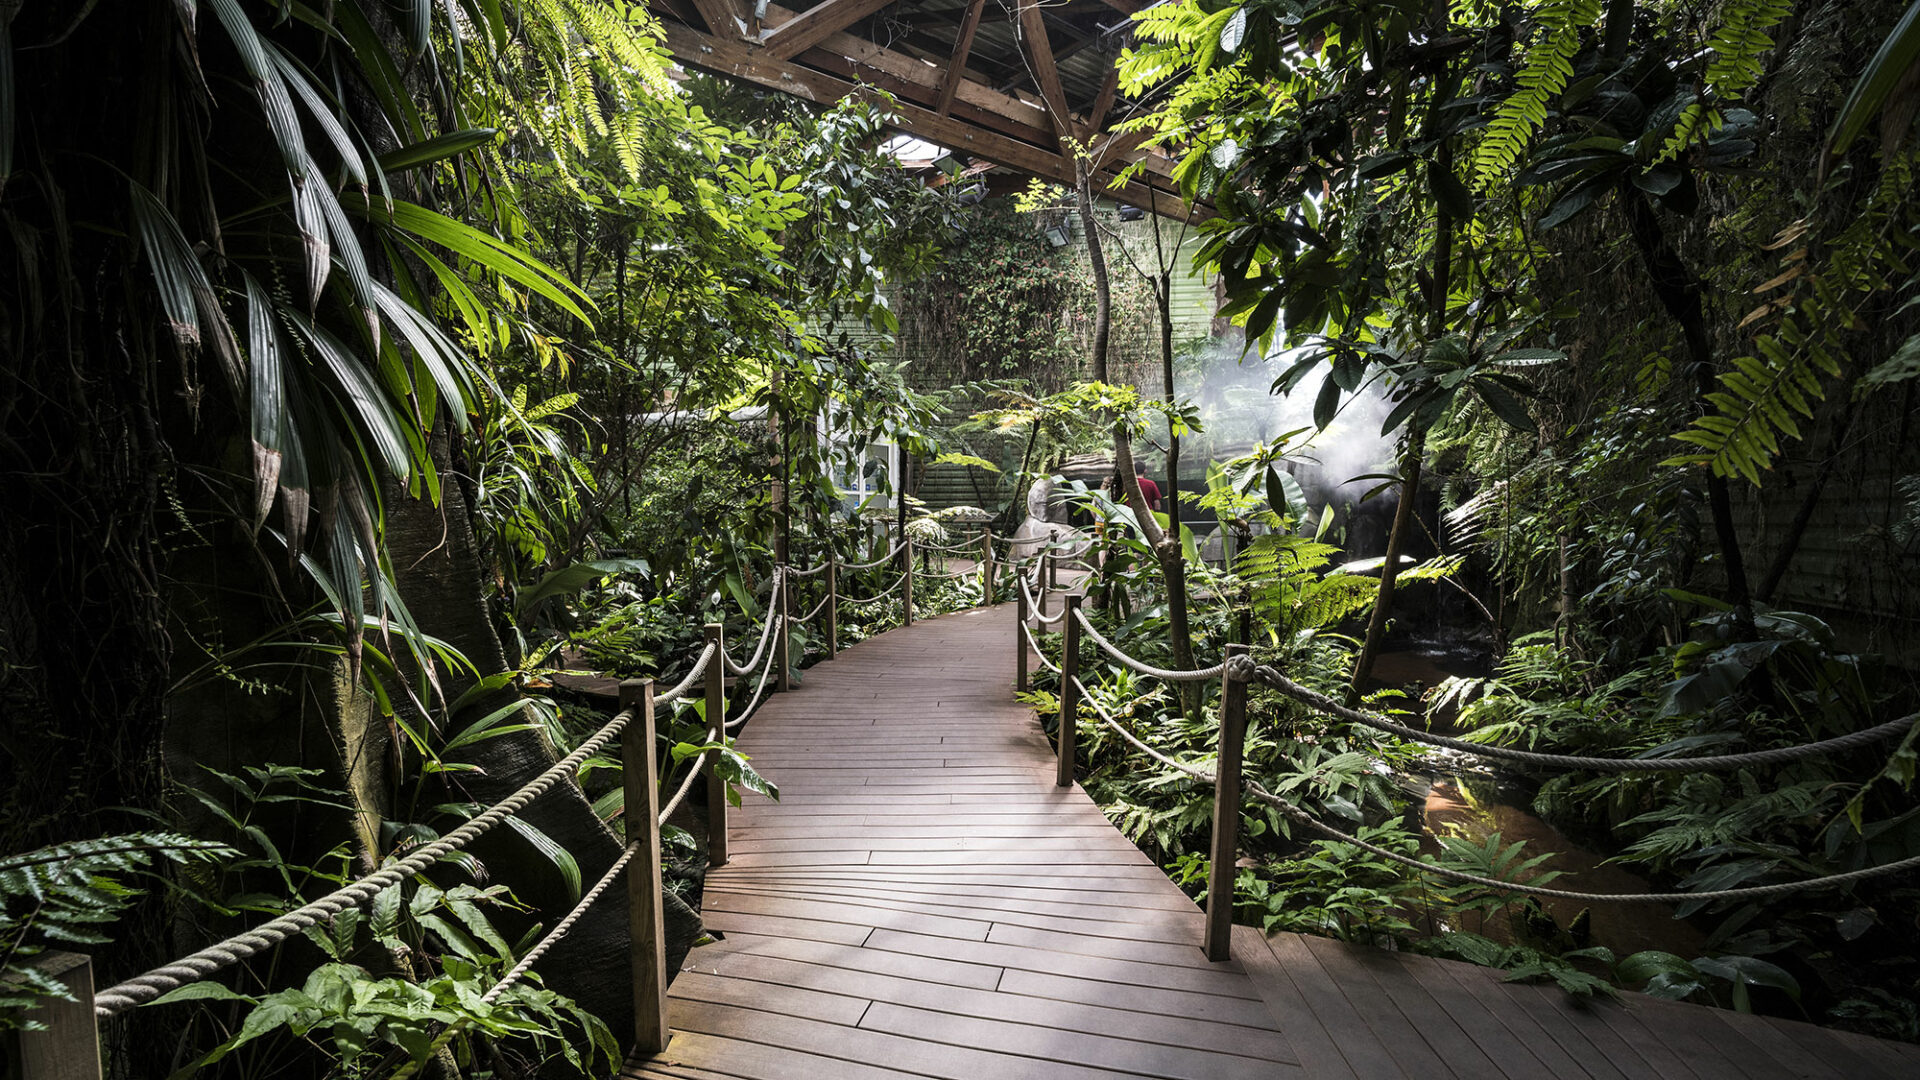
{"x":876,"y":598}
{"x":1238,"y":671}
{"x":881,"y":561}
{"x":817,"y":609}
{"x":1034,"y":605}
{"x":1749,"y":892}
{"x":1038,"y":651}
{"x":766,"y":629}
{"x":708,"y":667}
{"x":1141,"y":666}
{"x":747,"y":713}
{"x":238,"y":947}
{"x":1295,"y":813}
{"x":1267,"y":676}
{"x":539,"y":950}
{"x":198,"y":965}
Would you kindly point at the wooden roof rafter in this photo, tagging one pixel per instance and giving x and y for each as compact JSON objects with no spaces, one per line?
{"x":942,"y":61}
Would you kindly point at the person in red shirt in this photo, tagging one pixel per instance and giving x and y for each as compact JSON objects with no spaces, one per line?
{"x":1149,"y":490}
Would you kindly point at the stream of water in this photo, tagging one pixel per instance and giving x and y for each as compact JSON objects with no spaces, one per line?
{"x":1475,"y":807}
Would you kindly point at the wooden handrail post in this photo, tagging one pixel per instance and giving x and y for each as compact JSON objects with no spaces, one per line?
{"x":646,"y":926}
{"x":1020,"y":635}
{"x":1226,"y":809}
{"x":1069,"y":691}
{"x":716,"y":732}
{"x":1053,"y":562}
{"x":986,"y":567}
{"x":906,"y":582}
{"x":68,"y":1048}
{"x":783,"y":632}
{"x":833,"y":607}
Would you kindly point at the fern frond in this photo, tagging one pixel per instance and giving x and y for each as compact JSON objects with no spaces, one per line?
{"x":1548,"y":66}
{"x":1742,"y":41}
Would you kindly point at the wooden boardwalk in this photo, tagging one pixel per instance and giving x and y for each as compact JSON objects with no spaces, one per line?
{"x":923,"y":902}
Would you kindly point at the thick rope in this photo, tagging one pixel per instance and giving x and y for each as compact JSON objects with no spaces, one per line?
{"x":1034,"y":606}
{"x":1038,"y":651}
{"x":680,"y":689}
{"x":765,"y":673}
{"x":1087,"y":696}
{"x":817,"y":609}
{"x":1783,"y":755}
{"x":1144,"y":668}
{"x":198,"y":965}
{"x":766,"y":630}
{"x":1254,"y":789}
{"x":526,"y":963}
{"x":1748,"y":893}
{"x":881,"y":561}
{"x":877,"y":597}
{"x":686,"y":786}
{"x":821,"y":569}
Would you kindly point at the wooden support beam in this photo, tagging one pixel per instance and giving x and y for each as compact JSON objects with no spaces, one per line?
{"x":1080,"y":41}
{"x":1035,"y":129}
{"x":810,"y":27}
{"x":1033,"y":37}
{"x":737,"y":60}
{"x":957,"y":66}
{"x":1103,"y":101}
{"x":923,"y":73}
{"x":721,"y":16}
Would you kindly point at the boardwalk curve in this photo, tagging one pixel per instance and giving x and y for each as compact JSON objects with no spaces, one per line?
{"x":924,"y":902}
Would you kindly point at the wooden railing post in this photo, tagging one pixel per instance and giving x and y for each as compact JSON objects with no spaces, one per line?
{"x":1226,"y":809}
{"x":646,"y":927}
{"x":906,"y":582}
{"x":1020,"y":633}
{"x":1053,"y":562}
{"x":68,"y":1048}
{"x":716,"y":732}
{"x":986,"y":567}
{"x":782,"y":632}
{"x":833,"y":607}
{"x":1069,"y":691}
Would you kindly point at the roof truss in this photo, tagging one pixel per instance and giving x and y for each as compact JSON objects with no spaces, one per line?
{"x":947,"y":64}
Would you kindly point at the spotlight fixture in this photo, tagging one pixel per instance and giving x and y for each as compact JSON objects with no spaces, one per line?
{"x":1056,"y":235}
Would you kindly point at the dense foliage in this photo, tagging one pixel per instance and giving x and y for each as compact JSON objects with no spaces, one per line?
{"x":1536,"y":234}
{"x":368,"y":363}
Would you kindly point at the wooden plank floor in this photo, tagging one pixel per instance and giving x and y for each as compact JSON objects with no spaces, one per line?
{"x":924,"y":902}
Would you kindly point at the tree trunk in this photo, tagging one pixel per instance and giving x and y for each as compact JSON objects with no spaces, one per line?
{"x":1679,"y":291}
{"x":1416,"y":441}
{"x":1390,"y":570}
{"x":1165,"y":545}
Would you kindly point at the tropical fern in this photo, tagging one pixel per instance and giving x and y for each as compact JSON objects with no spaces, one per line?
{"x":70,"y":893}
{"x":1742,"y":41}
{"x":1549,"y":64}
{"x":1760,"y":397}
{"x":1288,"y":589}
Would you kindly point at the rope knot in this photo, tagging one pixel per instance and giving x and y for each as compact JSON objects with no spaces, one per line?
{"x":1241,"y":668}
